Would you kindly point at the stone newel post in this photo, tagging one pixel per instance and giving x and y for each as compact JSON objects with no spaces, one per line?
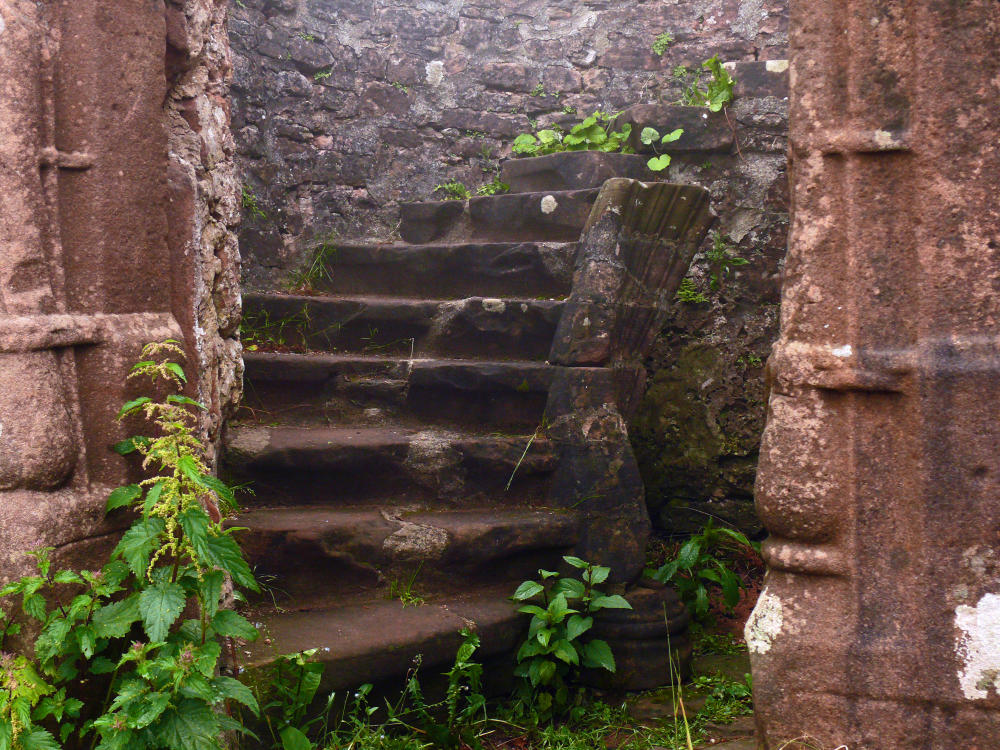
{"x":879,"y":480}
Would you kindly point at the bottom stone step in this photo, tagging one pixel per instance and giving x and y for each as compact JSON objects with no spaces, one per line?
{"x":375,"y":641}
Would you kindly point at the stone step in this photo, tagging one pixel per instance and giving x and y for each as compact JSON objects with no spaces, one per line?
{"x":356,"y":389}
{"x":443,"y":271}
{"x":345,"y":465}
{"x":479,"y":327}
{"x":554,"y":216}
{"x":350,"y":549}
{"x":573,"y":170}
{"x":366,"y":640}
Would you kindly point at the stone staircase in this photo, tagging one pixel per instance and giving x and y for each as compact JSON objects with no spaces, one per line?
{"x":437,"y":444}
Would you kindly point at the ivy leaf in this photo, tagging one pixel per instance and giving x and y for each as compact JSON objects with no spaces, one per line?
{"x":648,"y":135}
{"x":122,"y":496}
{"x":227,"y":622}
{"x":527,"y":590}
{"x":597,"y":654}
{"x":160,"y":606}
{"x":115,"y":620}
{"x":138,"y":543}
{"x":659,"y":163}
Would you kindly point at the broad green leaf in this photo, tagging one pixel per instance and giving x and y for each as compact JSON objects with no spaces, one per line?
{"x":133,"y":405}
{"x":196,"y":685}
{"x":576,"y":562}
{"x":51,"y":640}
{"x":196,"y":523}
{"x":210,"y":591}
{"x":67,"y":576}
{"x":529,"y":648}
{"x":102,"y":665}
{"x":177,"y":370}
{"x":659,"y":163}
{"x":597,"y":653}
{"x":145,"y":712}
{"x":86,"y":638}
{"x":701,"y":601}
{"x":122,"y":496}
{"x":160,"y":605}
{"x":294,"y":739}
{"x":34,"y":606}
{"x":220,"y":488}
{"x":115,"y":620}
{"x":577,"y":625}
{"x":558,"y":608}
{"x":138,"y":543}
{"x":544,"y":635}
{"x":531,"y":609}
{"x":6,"y":734}
{"x":547,"y":137}
{"x":174,"y":398}
{"x":37,"y":739}
{"x":564,"y":651}
{"x":648,"y":135}
{"x":672,"y":136}
{"x":527,"y":590}
{"x":570,"y":587}
{"x":222,"y":550}
{"x":152,"y":497}
{"x":688,"y":554}
{"x":610,"y":602}
{"x":524,"y":144}
{"x":666,"y":572}
{"x":597,"y":574}
{"x":130,"y":445}
{"x":227,"y":622}
{"x":190,"y":725}
{"x":574,"y":139}
{"x":206,"y":658}
{"x":230,"y":689}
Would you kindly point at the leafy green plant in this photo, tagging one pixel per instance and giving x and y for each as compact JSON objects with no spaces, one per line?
{"x":404,"y":591}
{"x":493,"y":188}
{"x":662,"y":43}
{"x":562,"y":611}
{"x":697,"y":566}
{"x":149,"y":623}
{"x":718,"y":91}
{"x":259,"y":331}
{"x":726,"y":699}
{"x":285,"y":694}
{"x":721,"y":260}
{"x":590,"y":135}
{"x":322,"y":75}
{"x":689,"y":293}
{"x":249,"y":201}
{"x":305,"y":278}
{"x":539,"y":90}
{"x":650,"y":137}
{"x":453,"y":191}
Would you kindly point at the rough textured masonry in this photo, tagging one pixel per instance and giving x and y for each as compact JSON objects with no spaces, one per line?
{"x":879,"y":627}
{"x":102,"y":246}
{"x":343,"y":109}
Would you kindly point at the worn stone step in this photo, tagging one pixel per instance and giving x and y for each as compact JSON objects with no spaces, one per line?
{"x":346,"y":549}
{"x":365,"y":640}
{"x":554,"y":216}
{"x":480,"y":327}
{"x":320,"y":466}
{"x":358,"y":389}
{"x":573,"y":170}
{"x":446,"y":271}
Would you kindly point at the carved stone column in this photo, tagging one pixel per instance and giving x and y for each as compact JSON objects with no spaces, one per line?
{"x":879,"y":478}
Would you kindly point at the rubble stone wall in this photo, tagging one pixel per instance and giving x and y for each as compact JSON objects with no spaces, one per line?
{"x":342,"y":109}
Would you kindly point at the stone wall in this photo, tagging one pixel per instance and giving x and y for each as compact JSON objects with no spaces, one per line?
{"x":204,"y":207}
{"x":342,"y":109}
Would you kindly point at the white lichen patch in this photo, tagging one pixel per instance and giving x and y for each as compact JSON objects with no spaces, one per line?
{"x":764,"y":624}
{"x":249,"y":441}
{"x":416,"y":542}
{"x":435,"y":72}
{"x":776,"y":66}
{"x":494,"y":305}
{"x":978,"y":647}
{"x":549,"y":204}
{"x":843,"y":351}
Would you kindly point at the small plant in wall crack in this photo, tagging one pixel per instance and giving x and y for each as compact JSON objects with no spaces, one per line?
{"x":593,"y":134}
{"x":453,"y":190}
{"x":716,"y":94}
{"x":721,"y":260}
{"x":562,"y":611}
{"x":651,"y":137}
{"x":662,"y":43}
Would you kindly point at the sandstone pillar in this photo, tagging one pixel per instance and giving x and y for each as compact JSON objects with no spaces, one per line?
{"x":879,"y":626}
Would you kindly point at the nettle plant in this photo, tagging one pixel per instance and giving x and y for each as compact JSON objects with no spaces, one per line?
{"x":147,"y":628}
{"x":590,"y":135}
{"x":562,"y":612}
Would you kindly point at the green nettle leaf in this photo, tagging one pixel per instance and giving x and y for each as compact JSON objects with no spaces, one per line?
{"x":222,"y":550}
{"x":294,"y":739}
{"x":86,"y":638}
{"x":122,"y":496}
{"x":148,"y":710}
{"x":610,"y":602}
{"x":191,"y":725}
{"x":152,"y":497}
{"x":227,"y":622}
{"x":177,"y":370}
{"x":576,"y":562}
{"x":133,"y":405}
{"x":34,"y":606}
{"x":102,"y":665}
{"x":570,"y":587}
{"x":50,"y":640}
{"x":115,"y":620}
{"x":138,"y":543}
{"x":577,"y":625}
{"x":648,"y":135}
{"x":174,"y":398}
{"x":527,"y":590}
{"x":597,"y":574}
{"x":565,"y":651}
{"x":195,"y":523}
{"x":210,"y":591}
{"x":160,"y":605}
{"x":37,"y":739}
{"x":220,"y":488}
{"x":6,"y":734}
{"x":66,"y":576}
{"x":130,"y":445}
{"x":229,"y":689}
{"x":597,"y":654}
